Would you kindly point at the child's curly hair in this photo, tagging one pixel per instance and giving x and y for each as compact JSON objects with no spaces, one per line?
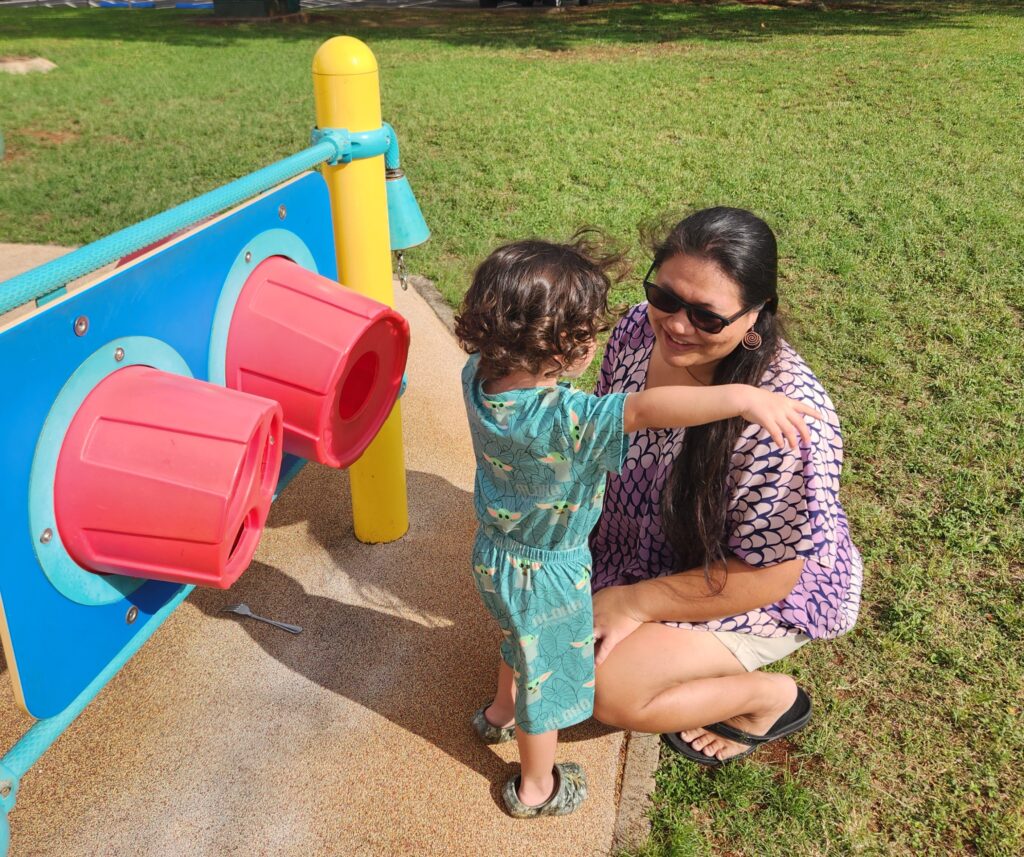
{"x":536,"y":305}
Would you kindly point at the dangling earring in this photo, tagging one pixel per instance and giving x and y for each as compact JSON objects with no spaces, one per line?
{"x":751,"y":340}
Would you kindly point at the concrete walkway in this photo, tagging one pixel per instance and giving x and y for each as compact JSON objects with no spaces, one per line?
{"x":225,"y":737}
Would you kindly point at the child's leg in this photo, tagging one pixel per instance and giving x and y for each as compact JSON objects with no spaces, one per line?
{"x":537,"y":759}
{"x":502,"y":712}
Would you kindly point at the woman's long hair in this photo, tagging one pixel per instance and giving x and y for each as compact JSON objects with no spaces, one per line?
{"x":695,"y":500}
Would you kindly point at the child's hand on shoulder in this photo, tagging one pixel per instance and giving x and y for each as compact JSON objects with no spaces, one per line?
{"x":780,"y":416}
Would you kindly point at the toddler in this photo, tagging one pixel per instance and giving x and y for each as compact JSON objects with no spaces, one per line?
{"x":532,"y":314}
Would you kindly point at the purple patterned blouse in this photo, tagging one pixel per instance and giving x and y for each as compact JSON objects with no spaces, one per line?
{"x":783,"y":504}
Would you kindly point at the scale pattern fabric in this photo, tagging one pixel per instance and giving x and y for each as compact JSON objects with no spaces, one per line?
{"x":783,"y":504}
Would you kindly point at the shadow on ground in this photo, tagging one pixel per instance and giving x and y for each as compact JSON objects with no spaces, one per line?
{"x":426,"y":670}
{"x":540,"y":29}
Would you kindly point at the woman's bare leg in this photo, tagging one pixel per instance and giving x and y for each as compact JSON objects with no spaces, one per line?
{"x":652,"y":659}
{"x":664,"y":679}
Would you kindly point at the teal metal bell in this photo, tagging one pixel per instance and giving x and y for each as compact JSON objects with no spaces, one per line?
{"x":405,"y":220}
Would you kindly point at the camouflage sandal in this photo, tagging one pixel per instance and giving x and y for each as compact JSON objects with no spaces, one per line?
{"x":488,"y":732}
{"x":570,"y":792}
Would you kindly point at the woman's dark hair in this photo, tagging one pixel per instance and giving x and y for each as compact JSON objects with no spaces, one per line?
{"x":695,"y":501}
{"x":534,"y":302}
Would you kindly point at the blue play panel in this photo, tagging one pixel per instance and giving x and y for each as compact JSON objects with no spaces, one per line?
{"x":61,"y":625}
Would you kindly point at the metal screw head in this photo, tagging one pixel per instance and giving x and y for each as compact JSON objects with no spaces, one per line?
{"x":282,"y":212}
{"x":248,"y":256}
{"x":46,"y":536}
{"x":132,"y":614}
{"x":272,"y":441}
{"x":119,"y":354}
{"x":5,"y":789}
{"x":81,"y":325}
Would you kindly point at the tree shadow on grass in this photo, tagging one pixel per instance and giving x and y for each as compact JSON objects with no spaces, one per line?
{"x":554,"y":30}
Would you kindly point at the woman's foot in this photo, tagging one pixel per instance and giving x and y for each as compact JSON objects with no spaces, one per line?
{"x":716,"y":747}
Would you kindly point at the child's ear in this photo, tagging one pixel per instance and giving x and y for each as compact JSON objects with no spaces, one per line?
{"x":553,"y":368}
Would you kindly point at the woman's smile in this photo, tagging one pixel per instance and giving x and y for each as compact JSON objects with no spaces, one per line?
{"x":678,"y":345}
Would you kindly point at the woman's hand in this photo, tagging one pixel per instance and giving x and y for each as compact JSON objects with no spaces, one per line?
{"x":615,"y":618}
{"x":778,"y":415}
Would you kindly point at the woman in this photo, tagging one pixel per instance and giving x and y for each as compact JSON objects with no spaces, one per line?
{"x":717,"y":553}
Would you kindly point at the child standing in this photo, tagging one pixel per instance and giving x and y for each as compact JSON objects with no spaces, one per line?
{"x":532,"y":314}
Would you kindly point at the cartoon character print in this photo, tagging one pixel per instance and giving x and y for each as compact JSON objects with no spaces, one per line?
{"x":504,"y":519}
{"x":500,"y":410}
{"x":499,"y":467}
{"x":578,"y":432}
{"x":590,"y":683}
{"x":586,"y":646}
{"x":584,"y":577}
{"x":548,"y":396}
{"x":598,"y":495}
{"x":560,"y":511}
{"x":533,"y":688}
{"x":485,"y":576}
{"x":524,"y":569}
{"x":560,"y":464}
{"x":528,"y":644}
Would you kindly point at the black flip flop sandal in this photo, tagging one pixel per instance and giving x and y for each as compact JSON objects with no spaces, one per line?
{"x":795,"y":719}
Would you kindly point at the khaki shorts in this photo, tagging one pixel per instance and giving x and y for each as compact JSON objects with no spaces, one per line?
{"x":754,"y":652}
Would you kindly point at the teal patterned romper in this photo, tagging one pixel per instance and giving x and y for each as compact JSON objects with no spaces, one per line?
{"x":542,"y":455}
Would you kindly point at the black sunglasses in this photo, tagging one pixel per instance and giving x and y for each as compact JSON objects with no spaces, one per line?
{"x":702,"y":319}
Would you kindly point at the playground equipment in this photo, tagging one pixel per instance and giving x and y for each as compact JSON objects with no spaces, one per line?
{"x":161,"y":405}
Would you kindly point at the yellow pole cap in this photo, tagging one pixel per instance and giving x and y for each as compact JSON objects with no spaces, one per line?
{"x":344,"y":55}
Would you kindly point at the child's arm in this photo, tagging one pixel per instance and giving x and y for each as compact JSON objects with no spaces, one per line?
{"x":679,"y":407}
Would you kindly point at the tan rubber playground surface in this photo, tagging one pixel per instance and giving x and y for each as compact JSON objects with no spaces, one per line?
{"x":225,"y":736}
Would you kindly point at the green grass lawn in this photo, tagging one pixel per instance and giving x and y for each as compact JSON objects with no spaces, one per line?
{"x":881,"y":141}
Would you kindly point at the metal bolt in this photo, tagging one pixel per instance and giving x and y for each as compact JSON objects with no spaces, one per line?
{"x":272,"y":441}
{"x":403,"y":272}
{"x":119,"y":354}
{"x":47,"y":536}
{"x":81,"y":325}
{"x":282,"y":212}
{"x":132,"y":615}
{"x":248,"y":256}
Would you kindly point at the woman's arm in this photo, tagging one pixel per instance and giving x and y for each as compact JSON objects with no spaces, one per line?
{"x":685,"y":597}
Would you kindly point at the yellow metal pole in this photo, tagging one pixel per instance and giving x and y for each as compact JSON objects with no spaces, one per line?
{"x":346,"y":90}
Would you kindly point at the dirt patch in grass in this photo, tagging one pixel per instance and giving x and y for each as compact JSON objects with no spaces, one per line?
{"x":51,"y":138}
{"x":782,"y":754}
{"x":779,"y":754}
{"x":13,"y":152}
{"x":25,"y":65}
